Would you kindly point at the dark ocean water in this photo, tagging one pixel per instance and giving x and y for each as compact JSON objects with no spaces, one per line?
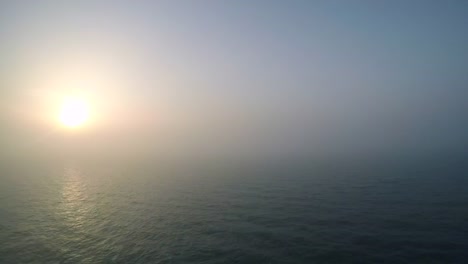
{"x":68,"y":212}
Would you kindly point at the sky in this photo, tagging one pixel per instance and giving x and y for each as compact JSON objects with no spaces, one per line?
{"x":236,"y":78}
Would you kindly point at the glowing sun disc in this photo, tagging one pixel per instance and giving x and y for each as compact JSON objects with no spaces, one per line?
{"x":74,"y":113}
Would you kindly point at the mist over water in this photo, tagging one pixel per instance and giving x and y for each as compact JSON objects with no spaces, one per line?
{"x":233,"y":131}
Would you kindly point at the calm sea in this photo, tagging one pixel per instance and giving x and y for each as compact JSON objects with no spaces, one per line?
{"x":380,"y":212}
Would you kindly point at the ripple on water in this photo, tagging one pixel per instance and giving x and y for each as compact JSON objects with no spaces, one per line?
{"x":77,"y":215}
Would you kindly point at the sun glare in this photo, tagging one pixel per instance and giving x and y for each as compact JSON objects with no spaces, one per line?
{"x":74,"y":112}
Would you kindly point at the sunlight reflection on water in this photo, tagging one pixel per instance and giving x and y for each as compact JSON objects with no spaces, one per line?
{"x":75,"y":207}
{"x":73,"y":213}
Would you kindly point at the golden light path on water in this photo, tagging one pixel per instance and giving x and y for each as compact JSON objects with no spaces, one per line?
{"x":75,"y":206}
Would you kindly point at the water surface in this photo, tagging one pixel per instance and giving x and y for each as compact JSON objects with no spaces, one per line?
{"x":73,"y":212}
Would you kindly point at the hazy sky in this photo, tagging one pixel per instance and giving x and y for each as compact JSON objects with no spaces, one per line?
{"x":255,"y":77}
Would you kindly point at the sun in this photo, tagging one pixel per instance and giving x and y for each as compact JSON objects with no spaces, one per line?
{"x":74,"y":112}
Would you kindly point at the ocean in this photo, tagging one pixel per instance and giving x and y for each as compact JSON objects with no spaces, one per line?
{"x":296,"y":212}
